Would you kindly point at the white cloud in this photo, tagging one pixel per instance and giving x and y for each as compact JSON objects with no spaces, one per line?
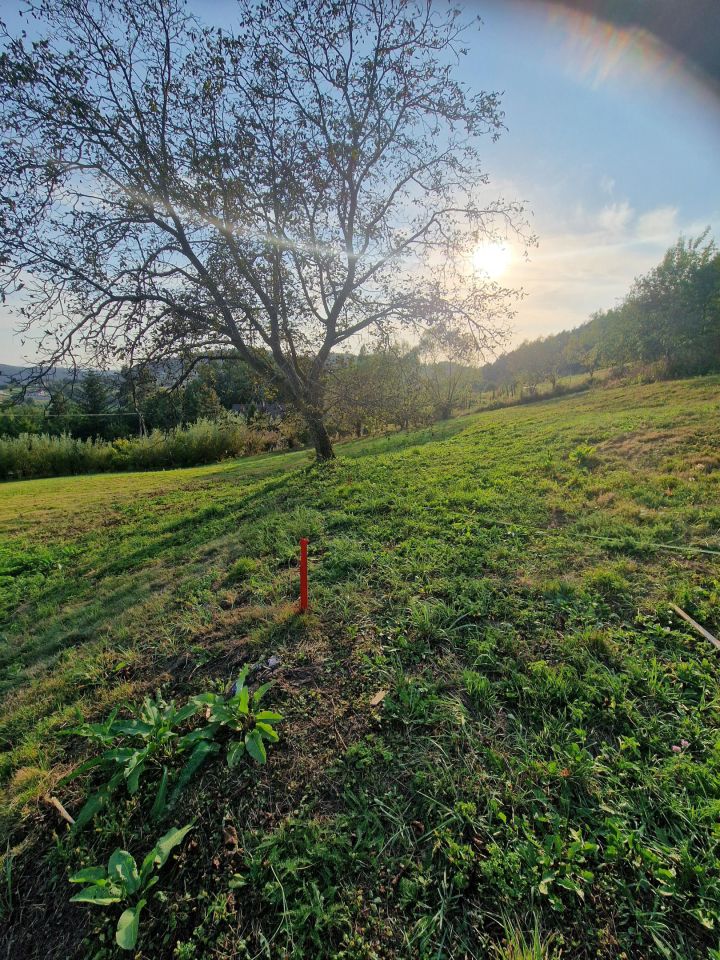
{"x":607,"y":185}
{"x":659,"y":225}
{"x":615,"y":217}
{"x":588,"y":266}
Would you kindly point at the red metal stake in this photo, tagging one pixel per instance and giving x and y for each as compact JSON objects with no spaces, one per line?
{"x":303,"y":575}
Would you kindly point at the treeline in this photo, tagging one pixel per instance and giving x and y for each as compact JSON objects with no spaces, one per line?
{"x":222,"y":411}
{"x":389,"y":388}
{"x":668,"y":324}
{"x":394,"y":385}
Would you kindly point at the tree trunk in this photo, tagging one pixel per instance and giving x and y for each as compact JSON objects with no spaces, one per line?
{"x":320,"y":438}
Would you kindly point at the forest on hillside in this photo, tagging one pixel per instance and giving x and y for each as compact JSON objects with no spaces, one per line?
{"x":669,"y":322}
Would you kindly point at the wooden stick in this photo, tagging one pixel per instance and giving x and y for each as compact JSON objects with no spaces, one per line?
{"x":696,"y":626}
{"x":54,"y":802}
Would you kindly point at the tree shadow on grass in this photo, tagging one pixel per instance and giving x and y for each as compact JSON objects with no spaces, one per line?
{"x":73,"y":626}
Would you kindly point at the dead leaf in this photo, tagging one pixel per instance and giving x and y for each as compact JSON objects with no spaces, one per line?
{"x":230,"y":837}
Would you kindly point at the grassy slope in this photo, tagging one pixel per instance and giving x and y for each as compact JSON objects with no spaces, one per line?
{"x":520,"y":766}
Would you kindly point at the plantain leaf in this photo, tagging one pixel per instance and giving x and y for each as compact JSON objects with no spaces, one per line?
{"x":101,"y":895}
{"x":242,"y":677}
{"x":133,"y":728}
{"x":128,"y":925}
{"x":163,"y":848}
{"x":123,"y":869}
{"x":268,"y":716}
{"x":267,"y":732}
{"x":205,"y":699}
{"x":261,"y":691}
{"x":255,"y":746}
{"x":167,"y":843}
{"x":243,"y":700}
{"x":202,"y":733}
{"x":94,"y":802}
{"x":223,"y":714}
{"x":203,"y":749}
{"x":133,"y":772}
{"x":235,"y":751}
{"x":184,"y":713}
{"x":89,"y":875}
{"x":160,"y":804}
{"x":105,"y":759}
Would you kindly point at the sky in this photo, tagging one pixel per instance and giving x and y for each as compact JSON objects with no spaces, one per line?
{"x":612,"y":140}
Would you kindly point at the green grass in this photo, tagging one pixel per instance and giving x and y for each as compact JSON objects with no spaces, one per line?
{"x":514,"y":792}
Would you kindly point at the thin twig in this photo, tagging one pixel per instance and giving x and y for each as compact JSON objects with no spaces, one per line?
{"x":696,"y":626}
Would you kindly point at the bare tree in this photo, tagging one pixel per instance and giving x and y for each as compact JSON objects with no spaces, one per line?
{"x":447,"y":355}
{"x":170,"y":190}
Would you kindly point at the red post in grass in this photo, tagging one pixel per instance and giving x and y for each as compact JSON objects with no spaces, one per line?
{"x":303,"y":575}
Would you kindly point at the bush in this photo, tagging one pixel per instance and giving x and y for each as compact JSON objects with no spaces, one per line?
{"x":207,"y":441}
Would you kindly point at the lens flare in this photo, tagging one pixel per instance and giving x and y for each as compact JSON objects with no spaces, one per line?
{"x":599,"y":50}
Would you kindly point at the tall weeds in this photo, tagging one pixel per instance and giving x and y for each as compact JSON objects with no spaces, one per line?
{"x":207,"y":441}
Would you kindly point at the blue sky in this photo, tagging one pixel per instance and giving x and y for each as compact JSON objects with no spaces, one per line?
{"x":612,"y":140}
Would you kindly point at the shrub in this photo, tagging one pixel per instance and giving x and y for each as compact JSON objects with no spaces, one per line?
{"x":207,"y":441}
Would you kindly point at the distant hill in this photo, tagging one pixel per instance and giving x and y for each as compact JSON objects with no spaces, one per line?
{"x":10,"y":372}
{"x":165,"y":372}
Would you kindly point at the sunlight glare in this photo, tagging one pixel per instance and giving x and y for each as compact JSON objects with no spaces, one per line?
{"x":491,"y":259}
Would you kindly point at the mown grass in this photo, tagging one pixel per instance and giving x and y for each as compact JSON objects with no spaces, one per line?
{"x":481,"y":706}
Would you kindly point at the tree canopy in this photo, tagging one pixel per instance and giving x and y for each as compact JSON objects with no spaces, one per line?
{"x":175,"y":190}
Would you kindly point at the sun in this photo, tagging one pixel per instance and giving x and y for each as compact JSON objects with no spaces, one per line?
{"x":491,"y":259}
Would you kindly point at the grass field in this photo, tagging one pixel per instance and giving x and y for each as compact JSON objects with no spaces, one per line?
{"x":497,"y":740}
